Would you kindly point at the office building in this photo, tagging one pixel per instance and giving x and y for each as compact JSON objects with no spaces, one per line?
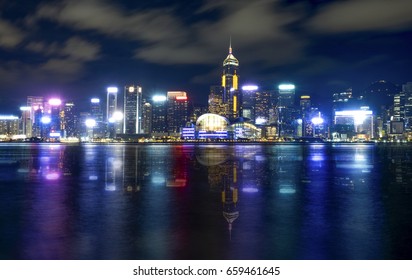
{"x":177,"y":111}
{"x":133,"y":106}
{"x":248,"y":101}
{"x":147,"y":118}
{"x":70,"y":121}
{"x":159,"y":115}
{"x":230,"y":85}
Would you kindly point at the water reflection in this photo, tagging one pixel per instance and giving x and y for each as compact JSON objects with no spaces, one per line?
{"x":205,"y":201}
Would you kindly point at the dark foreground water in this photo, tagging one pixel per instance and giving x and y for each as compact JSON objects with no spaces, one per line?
{"x":205,"y":201}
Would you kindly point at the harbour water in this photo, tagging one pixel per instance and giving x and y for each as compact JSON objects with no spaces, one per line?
{"x":206,"y":201}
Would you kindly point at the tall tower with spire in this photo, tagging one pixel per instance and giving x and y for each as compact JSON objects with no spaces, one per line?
{"x":230,"y":84}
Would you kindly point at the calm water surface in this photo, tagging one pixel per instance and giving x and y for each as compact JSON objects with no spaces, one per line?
{"x":185,"y":201}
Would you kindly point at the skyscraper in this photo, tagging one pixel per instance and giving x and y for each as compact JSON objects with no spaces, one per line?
{"x":70,"y":124}
{"x":147,"y":118}
{"x":159,"y":115}
{"x":215,"y":102}
{"x":96,"y":113}
{"x":132,"y":109}
{"x":230,"y":84}
{"x":177,"y":111}
{"x":286,"y":110}
{"x":407,"y":89}
{"x":111,"y":102}
{"x":248,"y":101}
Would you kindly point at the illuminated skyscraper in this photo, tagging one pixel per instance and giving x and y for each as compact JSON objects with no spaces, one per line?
{"x":9,"y":125}
{"x":177,"y":111}
{"x":215,"y":102}
{"x":71,"y":125}
{"x":132,"y":109}
{"x":56,"y":118}
{"x":230,"y":84}
{"x":147,"y":118}
{"x":26,"y":122}
{"x":36,"y":103}
{"x":111,"y":102}
{"x":159,"y":115}
{"x":286,"y":110}
{"x":407,"y":89}
{"x":248,"y":102}
{"x":262,"y":107}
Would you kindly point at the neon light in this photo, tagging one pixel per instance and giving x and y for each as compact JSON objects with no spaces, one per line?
{"x":95,"y":100}
{"x":9,"y":118}
{"x":45,"y":120}
{"x":317,"y":120}
{"x":181,"y":97}
{"x":55,"y":102}
{"x":112,"y":89}
{"x":250,"y":88}
{"x":90,"y":123}
{"x":286,"y":87}
{"x":159,"y":98}
{"x":25,"y":108}
{"x":353,"y":113}
{"x":54,"y":134}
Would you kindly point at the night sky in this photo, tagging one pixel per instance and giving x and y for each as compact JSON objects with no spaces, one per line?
{"x":76,"y":48}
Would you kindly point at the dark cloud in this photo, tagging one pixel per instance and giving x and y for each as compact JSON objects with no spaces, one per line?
{"x":10,"y":35}
{"x":363,"y":15}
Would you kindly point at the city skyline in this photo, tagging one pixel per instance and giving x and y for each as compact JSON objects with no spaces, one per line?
{"x":78,"y":48}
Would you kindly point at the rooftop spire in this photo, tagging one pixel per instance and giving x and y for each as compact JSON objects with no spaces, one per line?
{"x":230,"y":44}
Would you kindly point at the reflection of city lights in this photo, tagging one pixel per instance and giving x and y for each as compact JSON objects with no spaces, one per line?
{"x":360,"y":157}
{"x":158,"y":179}
{"x":317,"y":158}
{"x":52,"y":176}
{"x":250,"y":190}
{"x":117,"y":164}
{"x":110,"y":188}
{"x":287,"y":190}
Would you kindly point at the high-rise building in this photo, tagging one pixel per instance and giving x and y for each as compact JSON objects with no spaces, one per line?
{"x":248,"y":101}
{"x":262,"y":107}
{"x":407,"y":89}
{"x":286,"y":110}
{"x":35,"y":102}
{"x":215,"y":102}
{"x":133,"y":104}
{"x":147,"y":118}
{"x":9,"y":125}
{"x":230,"y":84}
{"x":26,"y":121}
{"x":177,"y":111}
{"x":70,"y":123}
{"x":159,"y":115}
{"x":111,"y":106}
{"x":54,"y":127}
{"x":96,"y":113}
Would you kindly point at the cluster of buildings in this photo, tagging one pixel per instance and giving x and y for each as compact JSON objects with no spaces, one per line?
{"x":234,"y":112}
